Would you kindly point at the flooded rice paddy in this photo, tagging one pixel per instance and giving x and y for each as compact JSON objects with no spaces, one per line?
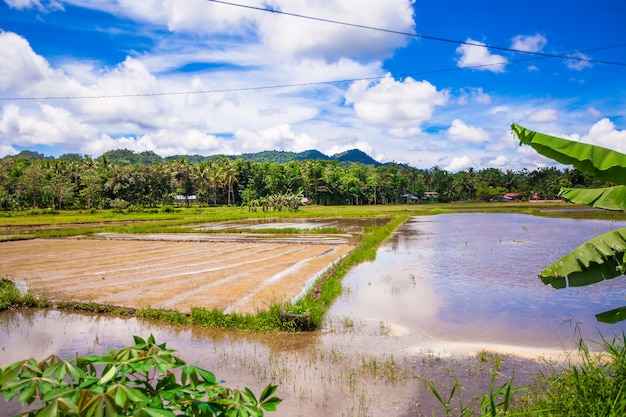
{"x":442,"y":288}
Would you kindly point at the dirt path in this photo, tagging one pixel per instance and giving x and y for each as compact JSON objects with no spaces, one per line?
{"x":174,"y":272}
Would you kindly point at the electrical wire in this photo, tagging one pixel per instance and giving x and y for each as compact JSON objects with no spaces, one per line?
{"x":432,"y":38}
{"x":279,"y":86}
{"x":536,"y":56}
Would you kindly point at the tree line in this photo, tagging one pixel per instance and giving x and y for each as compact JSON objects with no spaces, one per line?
{"x":81,"y":182}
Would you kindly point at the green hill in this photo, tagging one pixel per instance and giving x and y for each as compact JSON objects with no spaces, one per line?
{"x":125,"y":157}
{"x":355,"y":155}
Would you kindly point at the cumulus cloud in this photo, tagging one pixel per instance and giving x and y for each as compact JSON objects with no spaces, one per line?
{"x":532,"y":43}
{"x":22,"y":71}
{"x":498,"y":162}
{"x":579,"y":63}
{"x":459,"y":131}
{"x":162,"y":142}
{"x":298,"y":37}
{"x":400,"y":106}
{"x":285,"y":36}
{"x":51,"y":126}
{"x":604,"y":133}
{"x":543,"y":115}
{"x":479,"y":57}
{"x":277,"y":137}
{"x":459,"y":163}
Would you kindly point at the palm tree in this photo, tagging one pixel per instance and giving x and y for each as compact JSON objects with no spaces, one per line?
{"x":228,"y":175}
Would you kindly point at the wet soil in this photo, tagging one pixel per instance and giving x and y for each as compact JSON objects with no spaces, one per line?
{"x":233,"y":273}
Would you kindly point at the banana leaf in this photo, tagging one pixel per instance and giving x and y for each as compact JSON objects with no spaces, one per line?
{"x":609,"y":198}
{"x":612,"y":316}
{"x":596,"y":260}
{"x":604,"y":164}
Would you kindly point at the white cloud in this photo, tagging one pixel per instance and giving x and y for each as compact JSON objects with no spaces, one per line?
{"x":532,"y":43}
{"x":461,"y":132}
{"x":284,"y":37}
{"x":23,"y":72}
{"x":603,"y":133}
{"x":479,"y":57}
{"x":164,"y":143}
{"x":6,"y":150}
{"x":579,"y":63}
{"x":459,"y":163}
{"x":51,"y":126}
{"x":498,"y":162}
{"x":500,"y":110}
{"x":473,"y":95}
{"x":593,"y":113}
{"x":50,"y":5}
{"x":543,"y":115}
{"x":277,"y":137}
{"x":300,"y":37}
{"x":402,"y":107}
{"x":18,"y":63}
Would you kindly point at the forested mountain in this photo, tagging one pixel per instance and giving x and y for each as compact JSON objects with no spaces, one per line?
{"x":356,"y":155}
{"x":124,"y":157}
{"x":282,"y":157}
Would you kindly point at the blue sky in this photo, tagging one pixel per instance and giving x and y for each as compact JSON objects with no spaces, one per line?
{"x":190,"y":77}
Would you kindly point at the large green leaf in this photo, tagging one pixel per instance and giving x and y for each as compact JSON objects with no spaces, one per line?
{"x":602,"y":163}
{"x":609,"y":198}
{"x":612,"y":316}
{"x":595,"y":260}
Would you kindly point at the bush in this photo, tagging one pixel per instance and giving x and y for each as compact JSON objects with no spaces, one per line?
{"x":144,"y":380}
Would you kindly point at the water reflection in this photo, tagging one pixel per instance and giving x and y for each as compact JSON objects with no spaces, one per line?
{"x":455,"y":281}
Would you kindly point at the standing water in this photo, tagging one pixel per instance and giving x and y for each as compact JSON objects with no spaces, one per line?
{"x":446,"y":284}
{"x":463,"y":282}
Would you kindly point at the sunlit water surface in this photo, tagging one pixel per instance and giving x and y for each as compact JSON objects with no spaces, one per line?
{"x":461,"y":281}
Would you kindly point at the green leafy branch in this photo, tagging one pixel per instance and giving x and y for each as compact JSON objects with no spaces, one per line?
{"x":144,"y":380}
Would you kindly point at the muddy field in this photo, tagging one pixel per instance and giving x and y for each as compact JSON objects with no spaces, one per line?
{"x":230,"y":272}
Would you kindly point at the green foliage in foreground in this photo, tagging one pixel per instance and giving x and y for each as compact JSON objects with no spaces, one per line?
{"x":595,"y":387}
{"x":144,"y":380}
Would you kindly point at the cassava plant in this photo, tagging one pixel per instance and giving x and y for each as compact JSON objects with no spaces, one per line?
{"x":143,"y":380}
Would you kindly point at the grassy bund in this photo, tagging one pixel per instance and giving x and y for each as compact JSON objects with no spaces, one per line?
{"x":594,"y":385}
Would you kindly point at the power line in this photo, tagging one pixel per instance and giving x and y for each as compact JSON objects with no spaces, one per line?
{"x":414,"y":35}
{"x":267,"y":87}
{"x":278,"y":86}
{"x":537,"y":56}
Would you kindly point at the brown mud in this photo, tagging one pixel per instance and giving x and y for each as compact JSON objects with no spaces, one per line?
{"x":230,"y":272}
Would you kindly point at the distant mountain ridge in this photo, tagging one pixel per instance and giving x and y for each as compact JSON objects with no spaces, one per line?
{"x":124,"y":157}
